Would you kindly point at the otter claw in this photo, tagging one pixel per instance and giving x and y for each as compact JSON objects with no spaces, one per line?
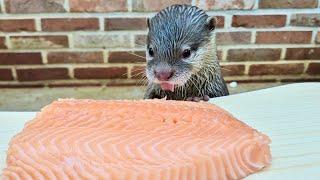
{"x":206,"y":98}
{"x":198,"y":99}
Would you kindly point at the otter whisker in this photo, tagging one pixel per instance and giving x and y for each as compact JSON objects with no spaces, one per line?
{"x":211,"y":63}
{"x":226,"y":69}
{"x":135,"y":54}
{"x":136,"y":75}
{"x":137,"y":70}
{"x":191,"y":79}
{"x":125,"y":74}
{"x":142,"y":81}
{"x":140,"y":78}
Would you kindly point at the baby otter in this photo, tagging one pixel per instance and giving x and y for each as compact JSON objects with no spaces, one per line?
{"x":181,"y":55}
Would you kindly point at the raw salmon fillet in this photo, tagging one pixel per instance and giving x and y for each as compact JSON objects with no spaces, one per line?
{"x":145,"y":139}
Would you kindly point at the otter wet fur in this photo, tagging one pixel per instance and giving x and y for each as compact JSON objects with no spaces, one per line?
{"x":181,"y":55}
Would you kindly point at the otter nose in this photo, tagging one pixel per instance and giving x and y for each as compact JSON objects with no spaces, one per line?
{"x":163,"y":75}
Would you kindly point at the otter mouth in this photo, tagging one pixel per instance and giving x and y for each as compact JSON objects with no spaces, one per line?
{"x":167,"y":86}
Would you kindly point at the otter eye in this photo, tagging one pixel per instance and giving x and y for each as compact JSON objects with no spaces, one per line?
{"x":186,"y":53}
{"x":150,"y":51}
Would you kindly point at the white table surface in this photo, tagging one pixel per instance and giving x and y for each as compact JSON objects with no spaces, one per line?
{"x":289,"y":115}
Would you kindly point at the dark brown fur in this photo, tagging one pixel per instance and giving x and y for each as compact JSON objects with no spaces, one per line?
{"x":170,"y":31}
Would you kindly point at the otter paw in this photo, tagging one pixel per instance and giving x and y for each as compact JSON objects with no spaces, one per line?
{"x":198,"y":99}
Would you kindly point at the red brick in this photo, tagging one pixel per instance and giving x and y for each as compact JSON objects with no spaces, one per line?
{"x":5,"y":74}
{"x":42,"y":74}
{"x":318,"y":38}
{"x":21,"y":86}
{"x":152,"y":5}
{"x":259,"y":21}
{"x":101,"y":73}
{"x":220,"y":21}
{"x":38,"y":42}
{"x":70,"y":24}
{"x":225,"y":4}
{"x":225,"y":38}
{"x":303,"y":53}
{"x":98,"y":5}
{"x":3,"y":43}
{"x":75,"y":57}
{"x":280,"y":4}
{"x":312,"y":20}
{"x":232,"y":70}
{"x":125,"y":24}
{"x":284,"y":37}
{"x":313,"y":68}
{"x":15,"y":25}
{"x":63,"y":85}
{"x":276,"y":69}
{"x":34,"y":6}
{"x":138,"y":72}
{"x":127,"y":57}
{"x":254,"y":54}
{"x":10,"y":58}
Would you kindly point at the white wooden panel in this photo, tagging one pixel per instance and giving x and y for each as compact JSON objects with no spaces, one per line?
{"x":289,"y":115}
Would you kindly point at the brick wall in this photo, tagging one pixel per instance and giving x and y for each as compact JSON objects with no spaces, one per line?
{"x":57,"y":43}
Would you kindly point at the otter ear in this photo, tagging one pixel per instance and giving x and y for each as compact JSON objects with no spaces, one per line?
{"x":211,"y":23}
{"x":148,"y":22}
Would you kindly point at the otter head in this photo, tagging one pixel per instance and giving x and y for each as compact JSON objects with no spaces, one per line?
{"x":179,"y":42}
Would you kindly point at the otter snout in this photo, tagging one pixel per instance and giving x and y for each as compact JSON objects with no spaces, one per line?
{"x":163,"y":75}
